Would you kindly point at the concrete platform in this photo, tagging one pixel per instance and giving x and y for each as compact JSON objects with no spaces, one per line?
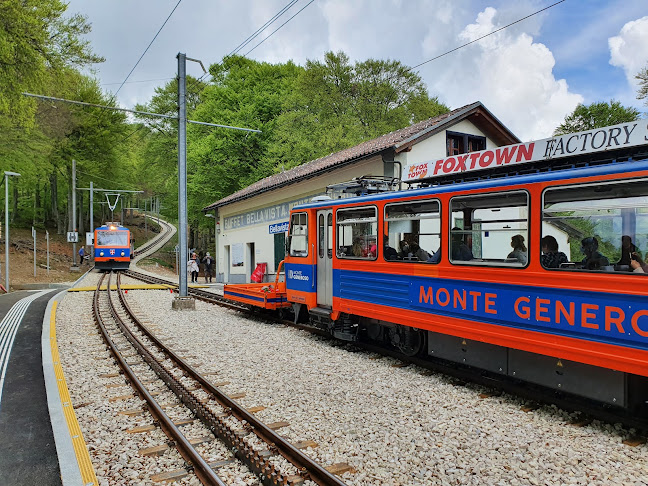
{"x":41,"y":442}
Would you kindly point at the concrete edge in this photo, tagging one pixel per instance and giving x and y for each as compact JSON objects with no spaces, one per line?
{"x":68,"y":463}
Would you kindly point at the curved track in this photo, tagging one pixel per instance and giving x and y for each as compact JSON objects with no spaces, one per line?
{"x":234,"y":425}
{"x":154,"y":244}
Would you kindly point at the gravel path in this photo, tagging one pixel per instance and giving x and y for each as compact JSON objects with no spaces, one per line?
{"x":395,"y":426}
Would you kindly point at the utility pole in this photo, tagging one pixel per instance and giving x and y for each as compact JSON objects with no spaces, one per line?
{"x":74,"y":221}
{"x":182,"y":301}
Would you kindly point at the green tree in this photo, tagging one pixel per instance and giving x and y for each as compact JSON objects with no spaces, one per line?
{"x":596,"y":115}
{"x":336,"y":105}
{"x":36,"y":42}
{"x":642,"y":92}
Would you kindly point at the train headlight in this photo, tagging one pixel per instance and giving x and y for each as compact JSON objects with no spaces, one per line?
{"x":101,"y":253}
{"x":123,"y":253}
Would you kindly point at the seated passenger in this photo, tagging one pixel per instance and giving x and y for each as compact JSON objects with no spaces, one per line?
{"x":358,"y":246}
{"x":627,"y":249}
{"x":519,"y":252}
{"x":460,"y":250}
{"x":594,"y":260}
{"x":419,"y":253}
{"x":404,"y":250}
{"x":551,"y":257}
{"x":389,"y":252}
{"x":637,"y":264}
{"x":436,"y":258}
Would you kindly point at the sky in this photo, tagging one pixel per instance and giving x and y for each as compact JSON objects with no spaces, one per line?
{"x":529,"y":75}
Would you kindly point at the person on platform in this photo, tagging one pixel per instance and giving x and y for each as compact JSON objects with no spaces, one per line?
{"x":81,"y":255}
{"x":209,"y":262}
{"x":192,"y":266}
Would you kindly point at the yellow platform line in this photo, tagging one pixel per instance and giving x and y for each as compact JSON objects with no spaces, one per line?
{"x":80,"y":448}
{"x":125,"y":287}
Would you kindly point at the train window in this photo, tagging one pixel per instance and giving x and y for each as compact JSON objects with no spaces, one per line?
{"x":298,"y":237}
{"x":413,"y":232}
{"x":597,"y":227}
{"x":490,"y":230}
{"x":320,"y":232}
{"x":357,"y":232}
{"x":329,"y":241}
{"x":112,"y":238}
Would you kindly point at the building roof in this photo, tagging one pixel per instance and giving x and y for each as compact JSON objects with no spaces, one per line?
{"x":398,"y":141}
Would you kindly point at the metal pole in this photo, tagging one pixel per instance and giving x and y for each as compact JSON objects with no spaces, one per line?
{"x":34,"y":236}
{"x":7,"y":232}
{"x":157,"y":207}
{"x":74,"y":221}
{"x":47,"y":239}
{"x":145,"y":225}
{"x":182,"y":174}
{"x":91,"y":220}
{"x":91,"y":206}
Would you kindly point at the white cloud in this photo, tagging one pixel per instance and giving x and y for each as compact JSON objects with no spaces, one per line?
{"x":510,"y":74}
{"x":629,"y":49}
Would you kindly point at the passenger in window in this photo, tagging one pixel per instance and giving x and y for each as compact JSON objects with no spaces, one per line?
{"x":460,"y":250}
{"x":436,"y":258}
{"x":389,"y":252}
{"x":594,"y":260}
{"x":551,"y":257}
{"x":358,"y":247}
{"x":373,"y":250}
{"x":637,"y":264}
{"x":627,"y":249}
{"x":519,"y":252}
{"x":405,"y":251}
{"x":419,"y":253}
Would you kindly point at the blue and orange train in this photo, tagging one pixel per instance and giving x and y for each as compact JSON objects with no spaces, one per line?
{"x":531,"y":266}
{"x":112,"y":247}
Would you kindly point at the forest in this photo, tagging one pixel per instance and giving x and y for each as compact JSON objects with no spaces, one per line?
{"x":303,"y":112}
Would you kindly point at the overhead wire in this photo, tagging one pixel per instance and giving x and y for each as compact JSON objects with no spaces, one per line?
{"x":148,"y":47}
{"x":270,"y":35}
{"x":485,"y":35}
{"x":252,"y":36}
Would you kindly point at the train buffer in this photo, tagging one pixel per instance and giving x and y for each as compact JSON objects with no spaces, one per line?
{"x":268,"y":295}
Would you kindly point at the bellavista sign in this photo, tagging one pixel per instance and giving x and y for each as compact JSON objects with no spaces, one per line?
{"x":597,"y":140}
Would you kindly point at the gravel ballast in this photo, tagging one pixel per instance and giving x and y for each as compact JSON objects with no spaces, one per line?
{"x":395,"y":426}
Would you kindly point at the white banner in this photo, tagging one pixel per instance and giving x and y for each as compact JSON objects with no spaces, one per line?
{"x":597,"y":140}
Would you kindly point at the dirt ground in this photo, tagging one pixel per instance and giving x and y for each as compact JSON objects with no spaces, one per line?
{"x":21,"y":256}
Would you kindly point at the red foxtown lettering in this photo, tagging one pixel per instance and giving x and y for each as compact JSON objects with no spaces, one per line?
{"x":595,"y":140}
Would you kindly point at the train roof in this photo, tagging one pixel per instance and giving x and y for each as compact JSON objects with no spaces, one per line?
{"x":605,"y":167}
{"x":111,"y":226}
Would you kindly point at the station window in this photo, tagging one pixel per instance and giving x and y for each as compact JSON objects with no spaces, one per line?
{"x":298,"y":237}
{"x":596,"y":227}
{"x":461,"y":143}
{"x":357,"y":232}
{"x":490,"y":229}
{"x":413,"y":232}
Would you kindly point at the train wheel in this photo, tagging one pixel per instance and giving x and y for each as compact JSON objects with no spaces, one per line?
{"x":407,"y":340}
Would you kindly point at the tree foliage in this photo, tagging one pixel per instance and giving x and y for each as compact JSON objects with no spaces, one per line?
{"x":596,"y":115}
{"x":642,"y":92}
{"x":36,"y":43}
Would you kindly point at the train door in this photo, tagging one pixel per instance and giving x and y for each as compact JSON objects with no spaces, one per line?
{"x":325,"y":258}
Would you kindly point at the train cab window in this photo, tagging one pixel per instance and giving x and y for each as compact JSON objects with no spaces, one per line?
{"x":413,"y":232}
{"x":357,"y":233}
{"x":112,"y":238}
{"x":597,"y":227}
{"x":490,"y":230}
{"x":298,"y":237}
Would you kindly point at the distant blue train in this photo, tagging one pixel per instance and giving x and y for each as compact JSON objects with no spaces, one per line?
{"x":112,"y":247}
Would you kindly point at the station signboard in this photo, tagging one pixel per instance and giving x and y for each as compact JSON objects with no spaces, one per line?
{"x":614,"y":137}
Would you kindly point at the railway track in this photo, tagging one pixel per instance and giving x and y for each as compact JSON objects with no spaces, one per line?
{"x":154,"y":244}
{"x":535,"y":394}
{"x":272,"y":459}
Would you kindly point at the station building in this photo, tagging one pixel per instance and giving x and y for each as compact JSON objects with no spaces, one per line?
{"x":251,"y":224}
